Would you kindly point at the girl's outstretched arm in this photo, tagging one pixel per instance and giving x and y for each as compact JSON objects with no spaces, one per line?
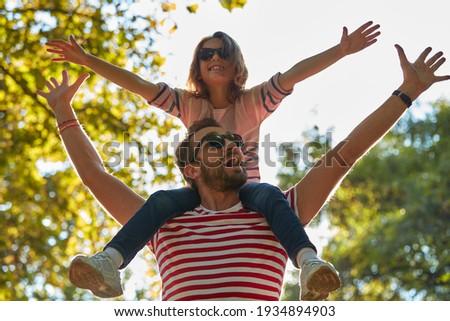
{"x":361,"y":38}
{"x":320,"y":182}
{"x":116,"y":197}
{"x":71,"y":51}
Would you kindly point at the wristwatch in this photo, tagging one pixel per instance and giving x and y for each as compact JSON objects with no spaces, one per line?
{"x":404,"y":97}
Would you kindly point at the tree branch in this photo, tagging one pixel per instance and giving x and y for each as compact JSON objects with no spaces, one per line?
{"x":59,"y":10}
{"x":25,"y":89}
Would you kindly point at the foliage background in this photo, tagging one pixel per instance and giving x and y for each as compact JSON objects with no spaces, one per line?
{"x":390,"y":217}
{"x":41,"y":226}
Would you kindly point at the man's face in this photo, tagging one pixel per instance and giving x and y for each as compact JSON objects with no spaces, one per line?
{"x":221,"y":168}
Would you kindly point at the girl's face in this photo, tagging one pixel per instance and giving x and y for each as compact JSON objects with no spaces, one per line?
{"x":216,"y":71}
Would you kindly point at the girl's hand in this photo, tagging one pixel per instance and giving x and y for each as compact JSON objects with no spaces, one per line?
{"x":69,"y":51}
{"x":419,"y":76}
{"x":62,"y":94}
{"x":359,"y":39}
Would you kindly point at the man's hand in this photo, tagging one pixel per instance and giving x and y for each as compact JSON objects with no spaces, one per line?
{"x":419,"y":76}
{"x":62,"y":94}
{"x":69,"y":51}
{"x":359,"y":39}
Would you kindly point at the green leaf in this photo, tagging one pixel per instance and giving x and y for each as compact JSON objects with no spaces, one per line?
{"x":192,"y":8}
{"x":158,"y":60}
{"x":168,"y":6}
{"x":232,"y":4}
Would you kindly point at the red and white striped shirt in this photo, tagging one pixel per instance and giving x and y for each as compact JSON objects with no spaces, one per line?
{"x":220,"y":255}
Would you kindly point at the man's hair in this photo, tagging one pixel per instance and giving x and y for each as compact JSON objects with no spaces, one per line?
{"x":185,"y":152}
{"x":196,"y":85}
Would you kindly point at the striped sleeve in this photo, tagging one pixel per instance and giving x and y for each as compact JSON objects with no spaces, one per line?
{"x":168,"y":99}
{"x":262,"y":100}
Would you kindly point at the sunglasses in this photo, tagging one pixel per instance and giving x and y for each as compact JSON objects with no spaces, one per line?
{"x":206,"y":54}
{"x":218,"y":141}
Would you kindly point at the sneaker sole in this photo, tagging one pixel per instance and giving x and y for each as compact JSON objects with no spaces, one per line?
{"x":317,"y":284}
{"x":85,"y":276}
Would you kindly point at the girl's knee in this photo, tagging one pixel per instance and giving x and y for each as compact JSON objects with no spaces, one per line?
{"x":260,"y":192}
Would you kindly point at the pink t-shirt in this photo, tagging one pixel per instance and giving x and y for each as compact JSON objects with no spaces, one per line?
{"x":244,"y":117}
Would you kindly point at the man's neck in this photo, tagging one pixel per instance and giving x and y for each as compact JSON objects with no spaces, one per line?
{"x":216,"y":201}
{"x":219,"y":97}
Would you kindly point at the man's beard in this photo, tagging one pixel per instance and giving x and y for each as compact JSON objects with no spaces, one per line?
{"x":219,"y":180}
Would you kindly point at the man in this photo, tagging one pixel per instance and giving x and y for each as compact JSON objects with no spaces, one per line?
{"x":219,"y":250}
{"x":197,"y":251}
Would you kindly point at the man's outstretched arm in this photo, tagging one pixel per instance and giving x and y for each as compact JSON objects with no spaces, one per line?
{"x":320,"y":182}
{"x":116,"y":197}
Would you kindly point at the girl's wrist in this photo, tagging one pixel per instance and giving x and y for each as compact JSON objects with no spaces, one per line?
{"x":64,"y":113}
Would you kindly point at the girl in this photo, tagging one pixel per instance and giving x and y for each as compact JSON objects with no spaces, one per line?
{"x":215,"y":89}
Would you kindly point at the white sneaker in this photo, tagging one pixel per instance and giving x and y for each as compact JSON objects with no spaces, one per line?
{"x":96,"y":273}
{"x":317,"y":279}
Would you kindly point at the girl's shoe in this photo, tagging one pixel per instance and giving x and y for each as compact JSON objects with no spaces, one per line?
{"x":317,"y":279}
{"x":96,"y":273}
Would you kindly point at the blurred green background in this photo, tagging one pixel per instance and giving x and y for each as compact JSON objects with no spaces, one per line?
{"x":389,"y":219}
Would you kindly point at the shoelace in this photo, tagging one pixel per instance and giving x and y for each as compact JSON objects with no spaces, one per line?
{"x":105,"y":264}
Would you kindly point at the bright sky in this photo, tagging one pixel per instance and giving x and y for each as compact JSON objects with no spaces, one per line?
{"x":274,"y":35}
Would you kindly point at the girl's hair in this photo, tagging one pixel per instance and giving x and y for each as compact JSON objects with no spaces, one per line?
{"x":196,"y":85}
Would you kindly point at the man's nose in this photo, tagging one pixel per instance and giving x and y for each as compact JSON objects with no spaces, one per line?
{"x":237,"y":151}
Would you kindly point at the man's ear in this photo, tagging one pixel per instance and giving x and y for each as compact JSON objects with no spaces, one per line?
{"x":192,"y":171}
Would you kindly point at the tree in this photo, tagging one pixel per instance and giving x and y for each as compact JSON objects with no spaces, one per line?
{"x":391,"y":216}
{"x":46,"y":214}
